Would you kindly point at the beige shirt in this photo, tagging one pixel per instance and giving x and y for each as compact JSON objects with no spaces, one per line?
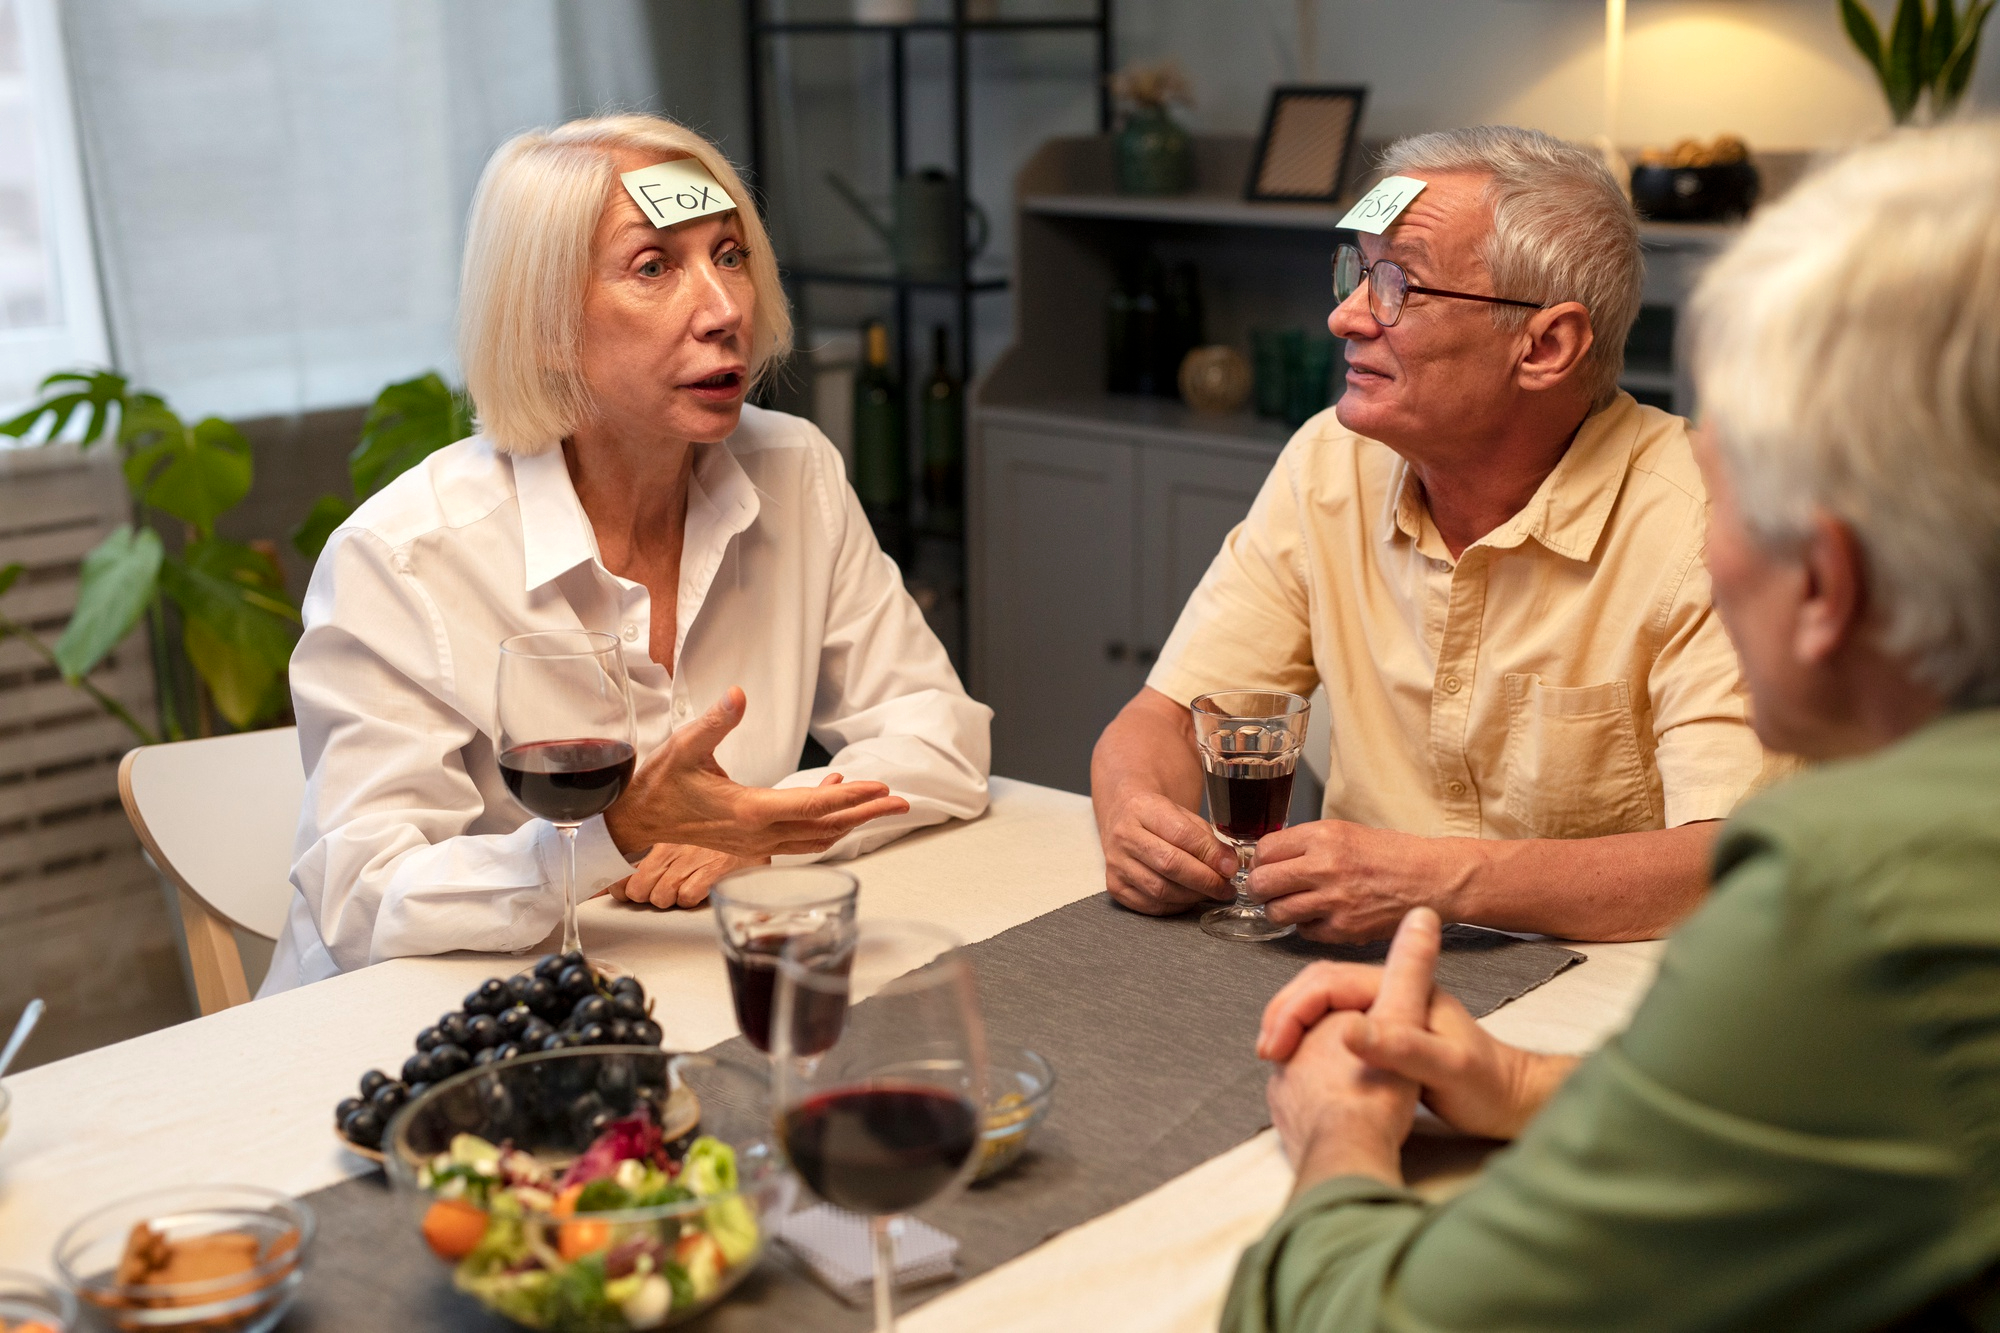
{"x":1565,"y":677}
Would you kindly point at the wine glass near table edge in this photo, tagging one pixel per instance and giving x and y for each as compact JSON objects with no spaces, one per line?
{"x":888,"y":1117}
{"x":1249,"y":742}
{"x":757,"y":913}
{"x":566,"y":735}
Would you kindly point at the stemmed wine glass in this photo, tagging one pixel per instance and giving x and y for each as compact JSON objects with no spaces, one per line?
{"x":889,"y":1116}
{"x":566,"y":750}
{"x":1249,"y":742}
{"x":760,"y":911}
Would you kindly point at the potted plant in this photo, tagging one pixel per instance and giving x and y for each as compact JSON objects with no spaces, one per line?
{"x":1926,"y":58}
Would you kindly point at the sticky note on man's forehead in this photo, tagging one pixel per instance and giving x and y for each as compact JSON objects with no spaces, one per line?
{"x":1382,"y":205}
{"x":671,"y":193}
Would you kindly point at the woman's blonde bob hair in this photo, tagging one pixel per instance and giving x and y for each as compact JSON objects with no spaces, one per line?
{"x":527,"y":265}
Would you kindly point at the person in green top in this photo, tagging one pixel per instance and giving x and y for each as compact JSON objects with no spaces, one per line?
{"x":1801,"y":1126}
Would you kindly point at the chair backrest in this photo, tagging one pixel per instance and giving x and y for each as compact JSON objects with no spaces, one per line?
{"x":218,"y":816}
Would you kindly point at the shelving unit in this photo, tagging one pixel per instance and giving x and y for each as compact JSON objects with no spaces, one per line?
{"x":974,"y":278}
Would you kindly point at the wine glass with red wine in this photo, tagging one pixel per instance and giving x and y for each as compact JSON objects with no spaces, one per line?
{"x":757,"y":913}
{"x":888,"y":1116}
{"x":566,"y":749}
{"x":1249,"y":742}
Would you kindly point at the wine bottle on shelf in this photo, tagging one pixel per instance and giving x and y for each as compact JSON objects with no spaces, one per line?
{"x":881,"y":468}
{"x":944,"y":441}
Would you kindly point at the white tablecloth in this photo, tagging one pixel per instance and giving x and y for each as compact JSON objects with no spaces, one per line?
{"x":247,"y":1095}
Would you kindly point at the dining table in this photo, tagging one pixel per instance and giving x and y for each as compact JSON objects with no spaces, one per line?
{"x":245,"y":1095}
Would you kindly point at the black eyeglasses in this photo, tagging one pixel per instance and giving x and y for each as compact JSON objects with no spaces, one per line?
{"x":1389,"y":286}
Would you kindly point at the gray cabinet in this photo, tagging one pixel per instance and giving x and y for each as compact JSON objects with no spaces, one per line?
{"x":1088,"y":543}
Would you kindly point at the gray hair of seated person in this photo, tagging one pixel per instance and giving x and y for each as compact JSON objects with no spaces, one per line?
{"x":1562,"y":231}
{"x":1847,"y":358}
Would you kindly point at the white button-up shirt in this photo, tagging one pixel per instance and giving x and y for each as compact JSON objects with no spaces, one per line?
{"x":408,"y":842}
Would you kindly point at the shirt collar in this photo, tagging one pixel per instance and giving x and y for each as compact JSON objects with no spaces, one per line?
{"x":556,"y":535}
{"x":1567,"y":512}
{"x":555,"y":532}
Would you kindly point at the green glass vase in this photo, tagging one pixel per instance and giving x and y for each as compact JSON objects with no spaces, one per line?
{"x":1155,"y":155}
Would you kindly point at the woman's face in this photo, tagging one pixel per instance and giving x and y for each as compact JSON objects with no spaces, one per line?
{"x":667,"y":320}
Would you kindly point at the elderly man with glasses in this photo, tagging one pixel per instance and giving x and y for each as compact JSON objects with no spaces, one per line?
{"x":1490,"y":556}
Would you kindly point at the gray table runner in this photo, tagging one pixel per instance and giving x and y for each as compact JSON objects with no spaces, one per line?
{"x":1150,"y":1025}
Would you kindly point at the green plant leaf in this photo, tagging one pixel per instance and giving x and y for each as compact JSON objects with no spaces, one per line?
{"x":1867,"y":38}
{"x":407,"y":423}
{"x":1903,"y":80}
{"x":328,"y":512}
{"x":1957,"y":71}
{"x":1940,"y":38}
{"x":119,"y":578}
{"x":236,"y":625}
{"x":196,"y":475}
{"x":9,"y":574}
{"x":99,"y":390}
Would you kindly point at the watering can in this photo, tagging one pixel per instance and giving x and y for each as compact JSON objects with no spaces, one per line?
{"x":927,"y":234}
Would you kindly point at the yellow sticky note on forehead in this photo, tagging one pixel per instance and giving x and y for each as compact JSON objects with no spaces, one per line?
{"x":671,"y":193}
{"x":1382,"y":205}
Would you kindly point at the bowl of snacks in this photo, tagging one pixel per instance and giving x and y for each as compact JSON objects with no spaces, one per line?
{"x":221,"y":1258}
{"x":29,"y":1304}
{"x":598,"y":1188}
{"x":1020,"y":1087}
{"x":558,"y":1004}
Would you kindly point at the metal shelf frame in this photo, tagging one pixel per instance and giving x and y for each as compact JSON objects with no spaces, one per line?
{"x":959,"y":30}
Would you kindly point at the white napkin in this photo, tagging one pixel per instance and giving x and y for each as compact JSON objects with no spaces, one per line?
{"x":834,"y":1244}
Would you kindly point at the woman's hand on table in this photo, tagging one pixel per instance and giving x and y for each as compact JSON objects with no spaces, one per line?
{"x":681,"y":795}
{"x":675,"y":874}
{"x":1475,"y":1083}
{"x":1336,"y":1114}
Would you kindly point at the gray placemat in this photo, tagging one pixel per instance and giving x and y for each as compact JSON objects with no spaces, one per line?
{"x":1150,"y":1026}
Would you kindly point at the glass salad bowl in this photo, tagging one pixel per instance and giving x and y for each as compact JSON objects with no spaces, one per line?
{"x":598,"y":1188}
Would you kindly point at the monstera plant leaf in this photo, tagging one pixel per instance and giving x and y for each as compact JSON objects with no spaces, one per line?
{"x":237,"y":626}
{"x":74,"y":390}
{"x":407,"y":424}
{"x":196,"y":474}
{"x":118,"y":581}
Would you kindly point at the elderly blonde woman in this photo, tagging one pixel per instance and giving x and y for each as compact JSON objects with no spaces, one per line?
{"x":1801,"y":1127}
{"x":618,"y":483}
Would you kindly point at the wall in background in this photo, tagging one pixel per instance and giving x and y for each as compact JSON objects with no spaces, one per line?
{"x":1779,"y":72}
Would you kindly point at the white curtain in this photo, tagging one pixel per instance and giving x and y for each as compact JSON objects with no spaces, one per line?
{"x":280,"y":189}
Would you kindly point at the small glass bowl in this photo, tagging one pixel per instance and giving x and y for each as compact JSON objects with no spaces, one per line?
{"x":26,"y":1300}
{"x":534,"y":1104}
{"x":1020,"y":1089}
{"x":248,"y":1301}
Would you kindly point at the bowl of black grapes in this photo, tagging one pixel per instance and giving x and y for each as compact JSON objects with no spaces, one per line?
{"x":558,"y":1004}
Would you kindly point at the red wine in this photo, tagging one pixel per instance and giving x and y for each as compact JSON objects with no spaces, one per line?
{"x":567,"y":781}
{"x":880,"y":1149}
{"x":1249,"y":800}
{"x":817,"y":1014}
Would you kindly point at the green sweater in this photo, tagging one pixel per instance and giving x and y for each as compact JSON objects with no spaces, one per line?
{"x":1800,"y":1129}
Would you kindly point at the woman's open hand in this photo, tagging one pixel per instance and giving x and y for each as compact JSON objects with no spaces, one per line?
{"x":681,"y":795}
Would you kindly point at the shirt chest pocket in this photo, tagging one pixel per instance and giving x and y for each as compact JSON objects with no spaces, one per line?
{"x":1573,"y":765}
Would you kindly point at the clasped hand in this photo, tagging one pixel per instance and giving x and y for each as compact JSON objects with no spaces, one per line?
{"x":698,"y":825}
{"x":1358,"y":1046}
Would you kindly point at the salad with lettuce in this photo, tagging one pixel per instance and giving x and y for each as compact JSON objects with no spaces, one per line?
{"x":566,"y":1249}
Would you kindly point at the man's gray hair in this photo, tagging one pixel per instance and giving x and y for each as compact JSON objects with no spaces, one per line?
{"x":1847,"y":353}
{"x":1562,"y":231}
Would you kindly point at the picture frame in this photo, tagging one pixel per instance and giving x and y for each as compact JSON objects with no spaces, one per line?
{"x":1307,"y":146}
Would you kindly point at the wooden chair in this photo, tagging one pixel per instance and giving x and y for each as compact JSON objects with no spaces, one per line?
{"x":217,"y":816}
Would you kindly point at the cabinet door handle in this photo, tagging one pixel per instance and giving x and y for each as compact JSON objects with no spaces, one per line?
{"x":1114,"y":651}
{"x":1147,"y":656}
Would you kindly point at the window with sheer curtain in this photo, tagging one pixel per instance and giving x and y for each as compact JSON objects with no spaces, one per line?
{"x":49,"y":310}
{"x":280,"y":189}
